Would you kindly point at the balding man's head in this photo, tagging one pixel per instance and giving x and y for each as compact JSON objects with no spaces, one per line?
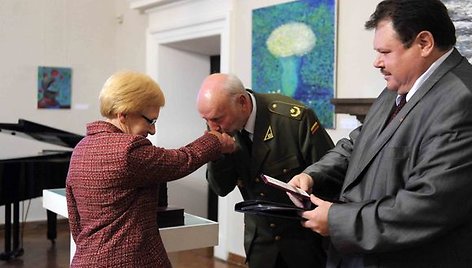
{"x":223,"y":102}
{"x":220,"y":84}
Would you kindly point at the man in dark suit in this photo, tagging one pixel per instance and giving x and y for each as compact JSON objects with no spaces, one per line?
{"x":407,"y":181}
{"x":284,"y":138}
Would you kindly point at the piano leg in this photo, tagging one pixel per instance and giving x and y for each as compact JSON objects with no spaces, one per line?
{"x":52,"y":226}
{"x":12,"y":196}
{"x":17,"y":250}
{"x":6,"y":254}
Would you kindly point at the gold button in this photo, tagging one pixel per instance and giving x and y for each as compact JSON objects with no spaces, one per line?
{"x":272,"y":225}
{"x":274,"y":105}
{"x":284,"y":170}
{"x":278,"y":237}
{"x":261,"y":194}
{"x":257,"y":180}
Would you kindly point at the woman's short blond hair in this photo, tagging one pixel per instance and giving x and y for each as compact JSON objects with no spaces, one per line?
{"x":128,"y":92}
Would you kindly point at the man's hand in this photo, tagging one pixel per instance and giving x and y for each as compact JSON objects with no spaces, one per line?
{"x":302,"y":181}
{"x":317,"y":219}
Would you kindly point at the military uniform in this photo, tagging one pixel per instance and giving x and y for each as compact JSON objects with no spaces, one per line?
{"x":287,"y":138}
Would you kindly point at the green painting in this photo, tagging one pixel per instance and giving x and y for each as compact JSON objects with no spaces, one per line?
{"x":293,"y":53}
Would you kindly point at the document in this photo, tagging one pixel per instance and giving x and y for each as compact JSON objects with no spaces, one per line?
{"x":298,"y":196}
{"x":285,"y":186}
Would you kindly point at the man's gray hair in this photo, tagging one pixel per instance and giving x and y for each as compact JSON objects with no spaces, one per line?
{"x":233,"y":85}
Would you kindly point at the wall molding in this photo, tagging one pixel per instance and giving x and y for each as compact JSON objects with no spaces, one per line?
{"x":357,"y":107}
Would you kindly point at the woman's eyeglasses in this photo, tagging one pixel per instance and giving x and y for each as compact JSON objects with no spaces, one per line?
{"x":150,"y":121}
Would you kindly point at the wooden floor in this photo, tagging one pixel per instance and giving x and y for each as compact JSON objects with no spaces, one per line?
{"x":41,"y":253}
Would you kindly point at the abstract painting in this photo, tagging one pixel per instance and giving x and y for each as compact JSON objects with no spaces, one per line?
{"x":293,"y":53}
{"x":54,"y":87}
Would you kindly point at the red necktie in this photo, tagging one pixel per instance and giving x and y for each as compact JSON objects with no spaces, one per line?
{"x":398,"y":108}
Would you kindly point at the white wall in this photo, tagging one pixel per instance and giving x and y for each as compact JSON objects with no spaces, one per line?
{"x":84,"y":35}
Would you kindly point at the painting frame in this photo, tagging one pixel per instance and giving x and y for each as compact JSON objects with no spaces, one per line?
{"x":54,"y":87}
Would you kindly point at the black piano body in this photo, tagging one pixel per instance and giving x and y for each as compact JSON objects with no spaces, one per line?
{"x":24,"y":176}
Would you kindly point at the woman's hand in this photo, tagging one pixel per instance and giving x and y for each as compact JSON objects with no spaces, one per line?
{"x":227,"y":142}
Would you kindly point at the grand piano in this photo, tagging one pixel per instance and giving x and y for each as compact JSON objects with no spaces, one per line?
{"x":24,"y":176}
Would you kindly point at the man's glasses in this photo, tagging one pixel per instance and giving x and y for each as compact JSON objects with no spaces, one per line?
{"x":150,"y":121}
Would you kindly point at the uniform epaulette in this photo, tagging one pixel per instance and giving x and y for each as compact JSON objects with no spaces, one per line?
{"x":287,"y":109}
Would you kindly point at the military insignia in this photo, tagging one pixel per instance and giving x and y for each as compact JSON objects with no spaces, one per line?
{"x":269,"y":134}
{"x":295,"y":111}
{"x":314,"y":127}
{"x":287,"y":109}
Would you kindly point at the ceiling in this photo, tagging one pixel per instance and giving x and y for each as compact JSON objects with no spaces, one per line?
{"x":205,"y":45}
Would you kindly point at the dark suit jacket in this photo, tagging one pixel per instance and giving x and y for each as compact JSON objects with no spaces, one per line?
{"x":287,"y":138}
{"x":408,"y":188}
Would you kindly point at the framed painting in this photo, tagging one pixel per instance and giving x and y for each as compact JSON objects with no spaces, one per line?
{"x":54,"y":87}
{"x":293,"y":53}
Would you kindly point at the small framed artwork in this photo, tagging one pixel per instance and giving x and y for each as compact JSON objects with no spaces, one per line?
{"x":54,"y":87}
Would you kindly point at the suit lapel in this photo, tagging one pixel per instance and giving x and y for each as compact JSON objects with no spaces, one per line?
{"x":370,"y":135}
{"x":374,"y":129}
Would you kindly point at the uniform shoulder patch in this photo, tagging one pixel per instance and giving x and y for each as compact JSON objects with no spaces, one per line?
{"x":287,"y":109}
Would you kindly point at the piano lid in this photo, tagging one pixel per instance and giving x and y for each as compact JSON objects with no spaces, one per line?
{"x":31,"y":130}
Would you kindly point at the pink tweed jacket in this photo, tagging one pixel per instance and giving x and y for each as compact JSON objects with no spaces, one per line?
{"x":112,"y":190}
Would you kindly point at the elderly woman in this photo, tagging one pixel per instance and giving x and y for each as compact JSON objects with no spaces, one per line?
{"x":114,"y":176}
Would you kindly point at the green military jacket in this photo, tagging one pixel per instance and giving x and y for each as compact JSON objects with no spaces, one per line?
{"x":287,"y":138}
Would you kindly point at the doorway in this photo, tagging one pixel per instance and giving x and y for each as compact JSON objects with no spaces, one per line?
{"x":182,"y":67}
